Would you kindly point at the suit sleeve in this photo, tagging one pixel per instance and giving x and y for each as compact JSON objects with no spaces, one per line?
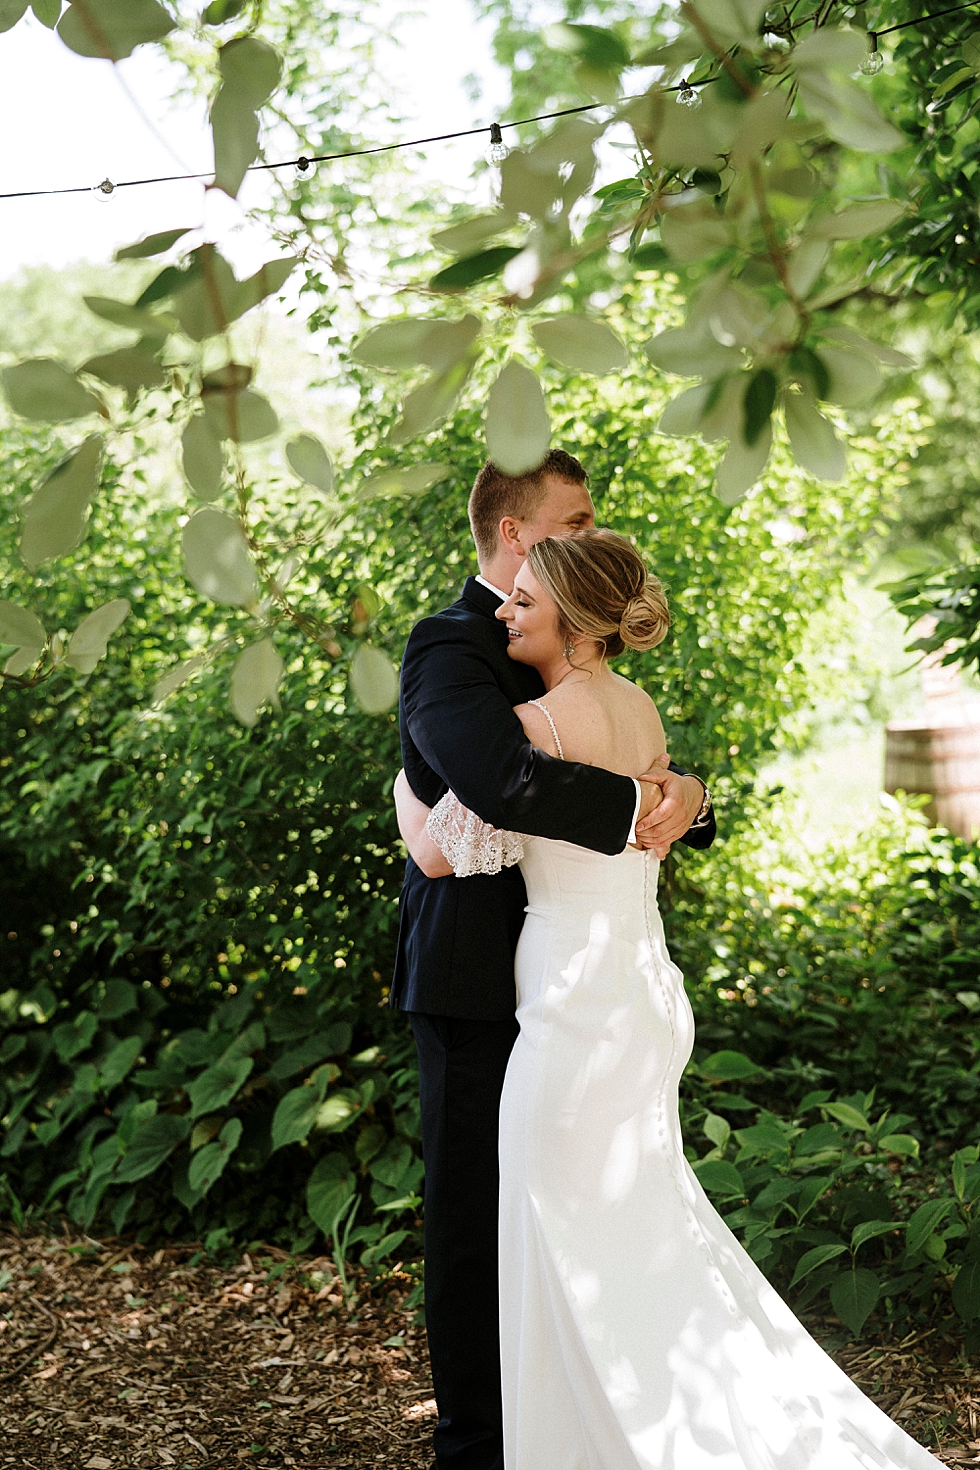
{"x":464,"y":727}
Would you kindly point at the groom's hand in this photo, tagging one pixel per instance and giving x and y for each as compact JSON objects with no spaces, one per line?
{"x":681,"y":798}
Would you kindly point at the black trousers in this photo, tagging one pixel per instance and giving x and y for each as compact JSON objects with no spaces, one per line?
{"x":461,"y":1074}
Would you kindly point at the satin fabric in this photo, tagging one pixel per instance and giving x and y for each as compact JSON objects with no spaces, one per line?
{"x":636,"y":1333}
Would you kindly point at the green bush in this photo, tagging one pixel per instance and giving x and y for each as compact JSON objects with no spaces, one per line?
{"x":194,"y":1035}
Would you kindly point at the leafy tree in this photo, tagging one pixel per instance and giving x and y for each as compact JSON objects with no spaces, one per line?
{"x":740,"y":198}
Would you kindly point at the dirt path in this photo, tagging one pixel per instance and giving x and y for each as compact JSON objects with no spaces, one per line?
{"x":112,"y":1358}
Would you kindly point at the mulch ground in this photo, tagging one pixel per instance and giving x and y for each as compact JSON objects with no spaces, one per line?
{"x":112,"y":1356}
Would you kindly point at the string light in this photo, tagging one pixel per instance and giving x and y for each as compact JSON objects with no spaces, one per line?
{"x":305,"y":165}
{"x":874,"y":62}
{"x":498,"y":149}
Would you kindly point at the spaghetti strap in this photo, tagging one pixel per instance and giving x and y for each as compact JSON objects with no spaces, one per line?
{"x":547,"y":714}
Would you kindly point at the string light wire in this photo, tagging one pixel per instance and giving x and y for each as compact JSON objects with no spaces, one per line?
{"x":305,"y":160}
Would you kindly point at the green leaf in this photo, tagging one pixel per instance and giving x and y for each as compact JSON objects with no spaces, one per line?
{"x":251,"y":68}
{"x":430,"y":402}
{"x":47,"y":12}
{"x":581,"y":343}
{"x":54,"y":516}
{"x":152,"y":1142}
{"x":113,"y":29}
{"x":255,"y":681}
{"x":89,"y":642}
{"x":122,"y":314}
{"x":217,"y":1085}
{"x":408,"y":480}
{"x":415,"y":342}
{"x":202,"y":458}
{"x":735,"y":20}
{"x":594,"y":44}
{"x":742,"y":466}
{"x":118,"y":999}
{"x":235,"y":130}
{"x":384,"y":1247}
{"x":853,"y":1296}
{"x":205,"y":303}
{"x":10,"y":13}
{"x":848,"y":1116}
{"x":966,"y":1290}
{"x":759,"y":402}
{"x":235,"y":135}
{"x":220,"y":11}
{"x":165,"y":687}
{"x":469,"y":234}
{"x":970,"y":52}
{"x":812,"y":438}
{"x":694,"y":232}
{"x":296,"y":1113}
{"x":690,"y":352}
{"x":156,"y":244}
{"x":242,"y":416}
{"x":374,"y":680}
{"x":683,"y":414}
{"x":132,"y":368}
{"x":729,"y":1066}
{"x":718,"y":1129}
{"x":853,"y":377}
{"x":339,"y":1110}
{"x":810,"y":1260}
{"x":120,"y":1062}
{"x":42,"y":390}
{"x":21,"y":630}
{"x":310,"y":462}
{"x":217,"y":560}
{"x":473,"y":268}
{"x":517,"y":427}
{"x":924,"y":1221}
{"x":208,"y":1164}
{"x":762,"y":1139}
{"x":845,"y":109}
{"x":266,"y":281}
{"x":250,"y":71}
{"x":72,"y":1037}
{"x":719,"y":1177}
{"x":330,"y":1186}
{"x":858,"y":220}
{"x":868,"y":1229}
{"x":394,"y":1165}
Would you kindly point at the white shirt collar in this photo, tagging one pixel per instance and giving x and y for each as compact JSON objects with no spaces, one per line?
{"x":491,"y":588}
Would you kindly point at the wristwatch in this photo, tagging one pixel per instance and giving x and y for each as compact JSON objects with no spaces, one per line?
{"x":704,"y":811}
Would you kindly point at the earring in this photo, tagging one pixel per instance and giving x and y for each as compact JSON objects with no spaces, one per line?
{"x":568,"y":649}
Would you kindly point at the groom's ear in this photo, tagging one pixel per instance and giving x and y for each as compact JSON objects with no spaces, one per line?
{"x":509,"y":530}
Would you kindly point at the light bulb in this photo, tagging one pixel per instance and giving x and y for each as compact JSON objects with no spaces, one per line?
{"x":874,"y":62}
{"x":104,"y":191}
{"x":687,"y":97}
{"x":305,"y":167}
{"x":498,"y":149}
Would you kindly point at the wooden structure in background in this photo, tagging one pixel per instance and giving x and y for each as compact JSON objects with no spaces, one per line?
{"x":937,"y":753}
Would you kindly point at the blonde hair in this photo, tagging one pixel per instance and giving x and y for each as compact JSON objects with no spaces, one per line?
{"x":602,"y":589}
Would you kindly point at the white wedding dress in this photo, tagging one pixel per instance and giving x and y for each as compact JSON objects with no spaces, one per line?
{"x":636,"y":1333}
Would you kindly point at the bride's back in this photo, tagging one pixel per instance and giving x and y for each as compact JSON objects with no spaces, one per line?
{"x":602,"y":720}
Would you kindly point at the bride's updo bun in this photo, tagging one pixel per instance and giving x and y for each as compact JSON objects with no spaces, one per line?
{"x":602,"y":589}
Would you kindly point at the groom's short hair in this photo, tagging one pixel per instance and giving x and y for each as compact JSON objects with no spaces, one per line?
{"x":495,"y":495}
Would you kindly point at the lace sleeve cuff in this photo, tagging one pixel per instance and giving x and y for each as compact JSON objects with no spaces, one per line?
{"x":469,"y":844}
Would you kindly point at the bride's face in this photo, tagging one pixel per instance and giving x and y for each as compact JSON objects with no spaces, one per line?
{"x":531,"y":615}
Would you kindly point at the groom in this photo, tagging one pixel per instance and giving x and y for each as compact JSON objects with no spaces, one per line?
{"x":454,"y":972}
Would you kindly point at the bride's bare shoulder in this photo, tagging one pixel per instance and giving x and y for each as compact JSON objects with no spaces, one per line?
{"x":537,"y":727}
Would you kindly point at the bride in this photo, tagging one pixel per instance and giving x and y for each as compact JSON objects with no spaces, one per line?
{"x":636,"y":1333}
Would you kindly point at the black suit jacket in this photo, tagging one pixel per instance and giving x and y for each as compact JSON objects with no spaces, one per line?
{"x":457,"y":936}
